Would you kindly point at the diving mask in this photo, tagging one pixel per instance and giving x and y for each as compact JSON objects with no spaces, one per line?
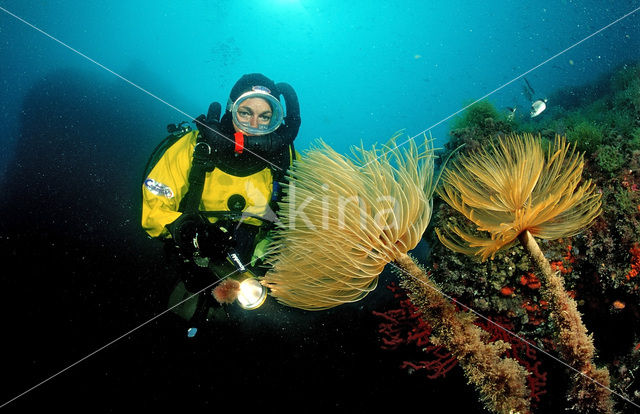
{"x":257,"y":112}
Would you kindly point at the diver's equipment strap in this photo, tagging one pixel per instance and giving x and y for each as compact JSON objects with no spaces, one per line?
{"x":231,"y":215}
{"x":201,"y":165}
{"x":279,"y":176}
{"x":292,"y":121}
{"x":175,"y":133}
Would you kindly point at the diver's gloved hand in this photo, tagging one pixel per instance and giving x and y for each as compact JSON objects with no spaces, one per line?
{"x":209,"y":127}
{"x":215,"y":242}
{"x":194,"y":235}
{"x":186,"y":230}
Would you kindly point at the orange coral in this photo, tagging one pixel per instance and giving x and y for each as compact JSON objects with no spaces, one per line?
{"x":530,"y":280}
{"x":507,"y":291}
{"x":559,"y":266}
{"x":569,"y":257}
{"x":635,"y":262}
{"x":534,"y":312}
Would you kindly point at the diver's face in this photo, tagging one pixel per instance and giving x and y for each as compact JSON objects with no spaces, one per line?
{"x":253,"y":112}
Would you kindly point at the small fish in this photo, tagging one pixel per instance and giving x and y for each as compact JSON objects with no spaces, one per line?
{"x":538,"y":107}
{"x":529,"y":86}
{"x":512,"y":113}
{"x":527,"y":93}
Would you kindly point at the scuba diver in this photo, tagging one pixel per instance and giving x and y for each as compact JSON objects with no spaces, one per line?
{"x":211,"y":195}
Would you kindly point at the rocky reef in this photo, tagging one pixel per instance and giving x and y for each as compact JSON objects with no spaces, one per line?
{"x":599,"y":266}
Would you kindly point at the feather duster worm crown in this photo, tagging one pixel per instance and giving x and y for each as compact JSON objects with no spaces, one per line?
{"x":513,"y":186}
{"x":344,"y":218}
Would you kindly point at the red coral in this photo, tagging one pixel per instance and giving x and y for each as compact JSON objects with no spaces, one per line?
{"x":403,"y":327}
{"x":563,"y":265}
{"x":501,"y":328}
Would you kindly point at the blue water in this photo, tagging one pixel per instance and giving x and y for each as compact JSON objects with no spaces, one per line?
{"x":363,"y":70}
{"x":88,"y":87}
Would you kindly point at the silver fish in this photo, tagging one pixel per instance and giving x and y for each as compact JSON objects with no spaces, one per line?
{"x":538,"y":107}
